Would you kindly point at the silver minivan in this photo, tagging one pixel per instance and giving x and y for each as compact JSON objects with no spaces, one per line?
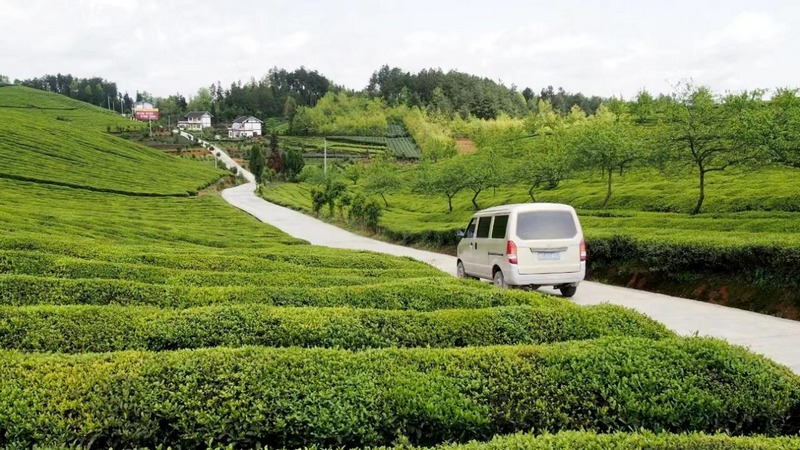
{"x":524,"y":245}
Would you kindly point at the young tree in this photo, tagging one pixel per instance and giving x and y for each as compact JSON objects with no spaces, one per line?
{"x":354,"y":172}
{"x":276,"y":160}
{"x":382,"y":178}
{"x":483,"y":170}
{"x":774,"y":127}
{"x":444,"y":177}
{"x":610,"y":142}
{"x":544,"y":162}
{"x":257,"y":162}
{"x":202,"y":101}
{"x":290,"y":109}
{"x":294,"y":163}
{"x":700,"y":132}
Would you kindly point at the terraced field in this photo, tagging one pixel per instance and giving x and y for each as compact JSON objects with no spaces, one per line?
{"x":130,"y":321}
{"x":65,"y":142}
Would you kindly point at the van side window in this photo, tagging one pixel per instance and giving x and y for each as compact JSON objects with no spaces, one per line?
{"x":483,"y":227}
{"x":470,"y":231}
{"x":500,"y":226}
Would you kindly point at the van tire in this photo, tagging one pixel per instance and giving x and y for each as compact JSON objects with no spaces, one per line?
{"x":460,"y":273}
{"x":568,"y":291}
{"x":499,"y":280}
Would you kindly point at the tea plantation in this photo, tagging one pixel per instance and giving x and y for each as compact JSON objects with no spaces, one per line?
{"x":743,"y":253}
{"x":131,"y":320}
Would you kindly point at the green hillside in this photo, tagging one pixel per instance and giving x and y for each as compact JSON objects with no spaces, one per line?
{"x":130,"y":321}
{"x":52,"y":138}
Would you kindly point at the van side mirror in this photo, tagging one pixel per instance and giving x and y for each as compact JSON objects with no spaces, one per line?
{"x":460,"y":233}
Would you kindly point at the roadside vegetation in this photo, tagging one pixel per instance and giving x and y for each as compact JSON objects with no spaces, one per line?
{"x":691,"y":194}
{"x":132,"y":321}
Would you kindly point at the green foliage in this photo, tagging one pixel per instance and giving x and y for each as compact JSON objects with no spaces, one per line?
{"x":79,"y":329}
{"x":297,"y":397}
{"x":445,"y":178}
{"x":701,"y":132}
{"x":257,"y":162}
{"x":365,"y":211}
{"x":80,"y":153}
{"x":311,"y":174}
{"x":294,"y":164}
{"x":608,"y":141}
{"x":333,"y":190}
{"x":434,"y":139}
{"x":382,"y":178}
{"x":341,"y":114}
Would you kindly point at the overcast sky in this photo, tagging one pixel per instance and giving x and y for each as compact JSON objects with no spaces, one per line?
{"x":596,"y":47}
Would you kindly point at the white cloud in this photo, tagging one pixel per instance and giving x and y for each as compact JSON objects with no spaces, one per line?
{"x":746,"y":28}
{"x":613,"y":49}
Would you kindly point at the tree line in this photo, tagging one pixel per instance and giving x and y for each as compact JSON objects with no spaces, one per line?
{"x":95,"y":90}
{"x":456,"y":93}
{"x":279,"y":92}
{"x":692,"y":130}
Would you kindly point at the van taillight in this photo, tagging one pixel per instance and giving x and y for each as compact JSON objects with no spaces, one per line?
{"x":511,"y":252}
{"x":583,"y":250}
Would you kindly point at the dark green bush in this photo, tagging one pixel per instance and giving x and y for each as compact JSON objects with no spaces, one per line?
{"x":295,"y":397}
{"x":74,"y":329}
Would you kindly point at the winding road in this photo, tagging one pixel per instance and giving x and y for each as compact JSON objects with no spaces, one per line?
{"x":776,"y":338}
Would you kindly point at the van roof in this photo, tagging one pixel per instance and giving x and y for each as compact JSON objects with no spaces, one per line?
{"x":526,"y":207}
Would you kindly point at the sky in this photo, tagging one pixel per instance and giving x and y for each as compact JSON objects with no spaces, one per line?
{"x":606,"y":48}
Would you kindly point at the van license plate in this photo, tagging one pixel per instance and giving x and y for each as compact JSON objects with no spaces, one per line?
{"x":549,"y":256}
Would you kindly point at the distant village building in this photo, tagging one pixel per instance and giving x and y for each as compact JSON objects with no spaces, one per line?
{"x":196,"y":120}
{"x":145,"y":111}
{"x":245,"y":126}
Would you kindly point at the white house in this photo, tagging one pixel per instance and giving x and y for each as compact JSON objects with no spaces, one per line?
{"x":196,"y":120}
{"x":245,"y":126}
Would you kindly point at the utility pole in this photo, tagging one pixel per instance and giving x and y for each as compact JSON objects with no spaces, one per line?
{"x":325,"y":156}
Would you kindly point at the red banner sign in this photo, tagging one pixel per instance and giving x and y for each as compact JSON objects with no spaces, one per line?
{"x":145,"y":114}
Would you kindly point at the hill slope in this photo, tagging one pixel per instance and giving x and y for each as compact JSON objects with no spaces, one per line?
{"x":55,"y":139}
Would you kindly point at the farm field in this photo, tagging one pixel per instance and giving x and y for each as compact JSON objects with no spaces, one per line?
{"x":140,"y":321}
{"x":65,"y":142}
{"x":739,"y":253}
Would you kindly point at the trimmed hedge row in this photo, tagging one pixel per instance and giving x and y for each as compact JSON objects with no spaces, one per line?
{"x":41,"y":264}
{"x":764,"y":279}
{"x":76,"y":329}
{"x":295,"y":397}
{"x":571,"y":440}
{"x":424,"y":294}
{"x":277,"y":257}
{"x":757,"y":263}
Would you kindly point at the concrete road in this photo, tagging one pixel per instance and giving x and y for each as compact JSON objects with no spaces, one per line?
{"x":778,"y":339}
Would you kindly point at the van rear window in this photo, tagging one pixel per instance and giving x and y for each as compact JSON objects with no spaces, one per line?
{"x":546,"y":225}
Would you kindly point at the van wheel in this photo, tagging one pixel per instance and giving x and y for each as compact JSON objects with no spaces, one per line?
{"x":568,"y":291}
{"x":460,"y":273}
{"x":499,"y":280}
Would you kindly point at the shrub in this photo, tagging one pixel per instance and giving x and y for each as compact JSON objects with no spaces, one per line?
{"x":295,"y":397}
{"x":73,"y":329}
{"x":425,"y":294}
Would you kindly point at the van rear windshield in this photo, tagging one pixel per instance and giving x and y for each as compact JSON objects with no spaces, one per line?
{"x":546,"y":225}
